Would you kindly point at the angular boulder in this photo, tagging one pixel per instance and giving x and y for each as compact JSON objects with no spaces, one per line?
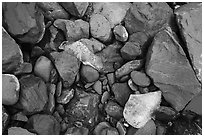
{"x":189,"y":20}
{"x":170,"y":70}
{"x":139,"y":108}
{"x":12,"y":56}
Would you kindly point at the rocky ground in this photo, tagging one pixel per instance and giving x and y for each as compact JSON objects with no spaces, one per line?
{"x":101,"y":68}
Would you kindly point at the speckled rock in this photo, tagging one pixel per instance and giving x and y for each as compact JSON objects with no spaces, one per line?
{"x":114,"y":110}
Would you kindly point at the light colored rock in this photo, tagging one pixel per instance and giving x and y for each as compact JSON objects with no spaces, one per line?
{"x":100,"y":27}
{"x":120,"y":33}
{"x":113,"y":11}
{"x":98,"y":87}
{"x":139,"y":107}
{"x":10,"y":89}
{"x":189,"y":20}
{"x":19,"y":131}
{"x":82,"y":53}
{"x":43,"y":67}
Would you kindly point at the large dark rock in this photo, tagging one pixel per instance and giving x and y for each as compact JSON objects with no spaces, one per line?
{"x":121,"y":92}
{"x":12,"y":56}
{"x":170,"y":70}
{"x":33,"y":95}
{"x":43,"y":124}
{"x":189,"y":20}
{"x":83,"y":107}
{"x":24,"y":20}
{"x":67,"y":65}
{"x":147,"y":17}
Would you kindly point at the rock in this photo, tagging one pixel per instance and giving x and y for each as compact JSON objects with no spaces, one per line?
{"x":43,"y":67}
{"x":83,"y":108}
{"x":19,"y":131}
{"x":98,"y":87}
{"x":36,"y":52}
{"x":59,"y":89}
{"x":195,"y":104}
{"x":140,"y":78}
{"x":121,"y":92}
{"x":148,"y":17}
{"x":12,"y":56}
{"x":165,"y":114}
{"x":51,"y":96}
{"x":128,"y":68}
{"x":77,"y":9}
{"x":105,"y":97}
{"x":89,"y":74}
{"x":73,"y":30}
{"x":66,"y":96}
{"x":114,"y":12}
{"x":54,"y":76}
{"x":114,"y":110}
{"x":44,"y":124}
{"x":60,"y":109}
{"x":67,"y":65}
{"x":132,"y":86}
{"x":139,"y":37}
{"x":104,"y":128}
{"x":100,"y":28}
{"x":24,"y":21}
{"x":111,"y":78}
{"x":120,"y":33}
{"x":20,"y":116}
{"x":33,"y":95}
{"x":131,"y":51}
{"x":57,"y":116}
{"x":170,"y":70}
{"x":189,"y":20}
{"x":139,"y":108}
{"x":161,"y":130}
{"x":143,"y":90}
{"x":148,"y":129}
{"x":93,"y":45}
{"x":53,"y":11}
{"x":10,"y":89}
{"x":83,"y":53}
{"x":24,"y":68}
{"x":110,"y":56}
{"x":5,"y":118}
{"x":121,"y":128}
{"x":77,"y":131}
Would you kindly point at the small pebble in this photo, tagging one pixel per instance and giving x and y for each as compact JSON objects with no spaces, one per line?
{"x":140,"y":78}
{"x":66,"y":96}
{"x":53,"y":76}
{"x":89,"y":74}
{"x":60,"y":109}
{"x":120,"y":33}
{"x":20,"y":116}
{"x":24,"y":68}
{"x":105,"y":97}
{"x":105,"y":82}
{"x":88,"y":85}
{"x":132,"y":86}
{"x":98,"y":87}
{"x":111,"y":78}
{"x":121,"y":128}
{"x":59,"y":89}
{"x":124,"y":78}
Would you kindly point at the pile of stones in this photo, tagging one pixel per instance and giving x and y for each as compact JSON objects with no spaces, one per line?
{"x":100,"y":68}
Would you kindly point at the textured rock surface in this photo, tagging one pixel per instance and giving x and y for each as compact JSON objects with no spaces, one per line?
{"x":83,"y":53}
{"x":5,"y":118}
{"x":89,"y":74}
{"x":52,"y":10}
{"x":24,"y":20}
{"x":121,"y":92}
{"x":83,"y":107}
{"x":140,"y":79}
{"x":66,"y":96}
{"x":19,"y":131}
{"x":33,"y":95}
{"x":139,"y":107}
{"x":43,"y":124}
{"x":104,"y":128}
{"x":189,"y":20}
{"x":75,"y":8}
{"x":73,"y":30}
{"x":12,"y":56}
{"x":170,"y":70}
{"x":43,"y":67}
{"x":147,"y":17}
{"x":67,"y":65}
{"x":120,"y":33}
{"x":100,"y":27}
{"x":114,"y":110}
{"x":10,"y":89}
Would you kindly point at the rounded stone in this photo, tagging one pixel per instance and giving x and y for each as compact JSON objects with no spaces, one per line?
{"x":89,"y":74}
{"x":140,"y":78}
{"x":10,"y":89}
{"x":98,"y":87}
{"x":43,"y":67}
{"x":120,"y":33}
{"x":100,"y":27}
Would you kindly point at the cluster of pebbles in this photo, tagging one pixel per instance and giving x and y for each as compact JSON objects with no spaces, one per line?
{"x":85,"y":68}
